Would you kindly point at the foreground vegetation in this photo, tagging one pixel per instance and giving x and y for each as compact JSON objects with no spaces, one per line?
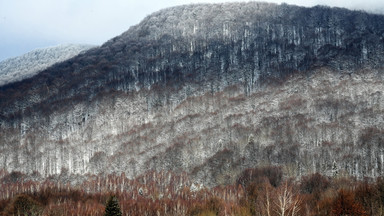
{"x":259,"y":191}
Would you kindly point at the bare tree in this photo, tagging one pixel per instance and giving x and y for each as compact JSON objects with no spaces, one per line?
{"x":287,"y":203}
{"x":267,"y":201}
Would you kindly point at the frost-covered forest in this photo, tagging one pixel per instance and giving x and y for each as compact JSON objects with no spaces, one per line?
{"x":30,"y":64}
{"x":209,"y":91}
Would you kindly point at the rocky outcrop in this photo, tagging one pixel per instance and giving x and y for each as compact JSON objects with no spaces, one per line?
{"x":209,"y":90}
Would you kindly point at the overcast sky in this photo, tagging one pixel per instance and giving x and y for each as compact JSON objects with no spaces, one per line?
{"x":29,"y":24}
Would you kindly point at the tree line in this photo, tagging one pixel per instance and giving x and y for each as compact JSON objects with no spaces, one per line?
{"x":257,"y":191}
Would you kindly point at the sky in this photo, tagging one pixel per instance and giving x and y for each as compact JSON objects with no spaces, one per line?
{"x":26,"y":25}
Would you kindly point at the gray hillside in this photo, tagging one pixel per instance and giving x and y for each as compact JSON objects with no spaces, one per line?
{"x":29,"y":64}
{"x":209,"y":90}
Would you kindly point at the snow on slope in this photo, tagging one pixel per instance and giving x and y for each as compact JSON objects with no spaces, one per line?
{"x":29,"y":64}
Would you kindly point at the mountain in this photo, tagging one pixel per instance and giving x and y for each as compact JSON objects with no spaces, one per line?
{"x":28,"y":65}
{"x":209,"y":90}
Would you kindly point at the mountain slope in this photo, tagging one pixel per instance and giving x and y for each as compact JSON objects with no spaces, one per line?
{"x":209,"y":90}
{"x":28,"y":65}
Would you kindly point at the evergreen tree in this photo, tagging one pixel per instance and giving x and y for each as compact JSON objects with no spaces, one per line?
{"x":112,"y":207}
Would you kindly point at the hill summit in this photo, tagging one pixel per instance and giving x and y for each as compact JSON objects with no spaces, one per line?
{"x":29,"y":64}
